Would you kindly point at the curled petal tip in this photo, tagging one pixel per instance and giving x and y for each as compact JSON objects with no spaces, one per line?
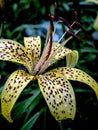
{"x":10,"y":120}
{"x":7,"y":116}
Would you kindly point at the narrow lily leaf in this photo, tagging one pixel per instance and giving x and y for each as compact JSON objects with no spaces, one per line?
{"x":11,"y":91}
{"x":28,"y":125}
{"x":58,"y":94}
{"x":13,"y":51}
{"x":72,"y":59}
{"x":27,"y":105}
{"x":78,"y":75}
{"x":33,"y":47}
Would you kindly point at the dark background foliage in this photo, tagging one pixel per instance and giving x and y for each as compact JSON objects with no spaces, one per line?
{"x":21,"y":18}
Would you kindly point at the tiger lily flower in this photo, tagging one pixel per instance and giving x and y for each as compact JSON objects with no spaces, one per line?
{"x":54,"y":84}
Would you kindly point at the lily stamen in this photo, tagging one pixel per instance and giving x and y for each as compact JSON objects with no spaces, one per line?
{"x":52,"y":55}
{"x":74,"y":35}
{"x":51,"y":28}
{"x":66,"y":22}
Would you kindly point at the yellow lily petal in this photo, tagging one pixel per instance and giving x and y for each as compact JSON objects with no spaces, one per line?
{"x":78,"y":75}
{"x":72,"y":59}
{"x":58,"y":94}
{"x":96,"y":20}
{"x":58,"y":52}
{"x":96,"y":23}
{"x":94,"y":1}
{"x":11,"y":91}
{"x":33,"y":47}
{"x":13,"y":51}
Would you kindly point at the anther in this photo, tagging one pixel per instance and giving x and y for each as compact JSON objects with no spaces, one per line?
{"x":55,"y":10}
{"x":51,"y":18}
{"x":79,"y":24}
{"x":66,"y":22}
{"x":76,"y":16}
{"x":76,"y":19}
{"x":74,"y":35}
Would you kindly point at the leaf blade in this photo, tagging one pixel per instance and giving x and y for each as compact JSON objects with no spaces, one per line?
{"x":32,"y":121}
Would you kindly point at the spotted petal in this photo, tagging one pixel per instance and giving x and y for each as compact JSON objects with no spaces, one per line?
{"x":72,"y":59}
{"x":78,"y":75}
{"x":33,"y":47}
{"x":58,"y":52}
{"x":58,"y":94}
{"x":13,"y":51}
{"x":11,"y":91}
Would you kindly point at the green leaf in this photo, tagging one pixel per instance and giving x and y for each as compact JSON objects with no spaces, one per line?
{"x":32,"y":106}
{"x":32,"y":121}
{"x":23,"y":106}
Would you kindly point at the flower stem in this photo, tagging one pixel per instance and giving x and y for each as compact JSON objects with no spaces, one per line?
{"x":60,"y":125}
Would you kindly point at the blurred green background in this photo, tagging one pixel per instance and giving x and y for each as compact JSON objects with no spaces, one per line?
{"x":19,"y":18}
